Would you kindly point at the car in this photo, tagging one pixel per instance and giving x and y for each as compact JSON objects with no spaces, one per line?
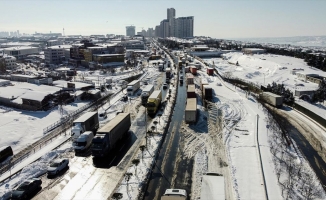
{"x":165,"y":86}
{"x":102,"y":115}
{"x":145,"y":83}
{"x":57,"y":166}
{"x":26,"y":189}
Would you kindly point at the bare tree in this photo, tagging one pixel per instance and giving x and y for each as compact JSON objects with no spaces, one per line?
{"x":117,"y":196}
{"x":310,"y":190}
{"x":135,"y":162}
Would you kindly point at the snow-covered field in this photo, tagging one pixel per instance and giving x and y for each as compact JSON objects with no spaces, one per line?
{"x":264,"y":69}
{"x":23,"y":128}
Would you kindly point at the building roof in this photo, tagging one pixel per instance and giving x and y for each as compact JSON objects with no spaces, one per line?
{"x":26,"y":90}
{"x":108,"y":55}
{"x":63,"y":84}
{"x":34,"y":95}
{"x":60,"y":47}
{"x":19,"y":48}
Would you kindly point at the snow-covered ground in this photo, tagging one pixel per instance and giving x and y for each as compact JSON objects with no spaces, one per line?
{"x":23,"y":128}
{"x":264,"y":69}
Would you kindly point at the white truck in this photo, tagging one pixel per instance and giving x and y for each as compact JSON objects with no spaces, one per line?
{"x":87,"y":122}
{"x":132,"y":87}
{"x":191,"y":110}
{"x":174,"y":194}
{"x":272,"y":99}
{"x":83,"y":142}
{"x":212,"y":187}
{"x":147,"y":91}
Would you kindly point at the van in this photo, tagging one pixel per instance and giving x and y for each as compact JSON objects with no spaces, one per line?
{"x":83,"y":142}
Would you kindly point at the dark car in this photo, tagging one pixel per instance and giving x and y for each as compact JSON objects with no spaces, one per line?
{"x":27,"y":189}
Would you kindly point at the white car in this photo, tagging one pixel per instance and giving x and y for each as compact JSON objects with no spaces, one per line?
{"x":57,"y":166}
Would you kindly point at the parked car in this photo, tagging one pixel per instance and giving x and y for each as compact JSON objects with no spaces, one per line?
{"x":102,"y":116}
{"x":27,"y":189}
{"x":165,"y":86}
{"x":57,"y":166}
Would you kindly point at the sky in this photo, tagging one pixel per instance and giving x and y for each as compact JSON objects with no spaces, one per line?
{"x":214,"y":18}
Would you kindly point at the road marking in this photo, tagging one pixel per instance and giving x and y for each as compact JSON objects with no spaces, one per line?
{"x":112,"y":160}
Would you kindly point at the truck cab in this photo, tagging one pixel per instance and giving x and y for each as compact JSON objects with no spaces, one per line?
{"x":83,"y":142}
{"x":100,"y":145}
{"x":174,"y":194}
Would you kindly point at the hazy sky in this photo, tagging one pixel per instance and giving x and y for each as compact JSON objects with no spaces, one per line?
{"x":215,"y":18}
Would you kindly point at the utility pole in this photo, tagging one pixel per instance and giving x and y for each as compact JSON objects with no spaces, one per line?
{"x":146,"y":125}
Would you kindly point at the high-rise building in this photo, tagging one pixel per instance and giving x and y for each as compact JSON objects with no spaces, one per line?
{"x":184,"y":27}
{"x":170,"y":13}
{"x":130,"y":31}
{"x":157,"y":31}
{"x":164,"y":28}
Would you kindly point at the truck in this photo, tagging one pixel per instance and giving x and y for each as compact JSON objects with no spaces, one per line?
{"x":108,"y":136}
{"x":147,"y":91}
{"x":210,"y":71}
{"x":174,"y":194}
{"x":212,"y":187}
{"x":193,"y":70}
{"x":190,"y":79}
{"x":83,"y":142}
{"x":87,"y":122}
{"x":132,"y":87}
{"x":272,"y":99}
{"x":168,"y":73}
{"x":154,"y":102}
{"x":191,"y":110}
{"x":160,"y":67}
{"x":191,"y":91}
{"x":207,"y":92}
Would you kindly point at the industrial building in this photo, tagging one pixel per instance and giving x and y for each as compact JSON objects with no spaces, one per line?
{"x":21,"y":52}
{"x":57,"y":54}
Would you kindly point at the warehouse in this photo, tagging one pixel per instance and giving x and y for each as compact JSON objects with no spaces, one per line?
{"x":21,"y":52}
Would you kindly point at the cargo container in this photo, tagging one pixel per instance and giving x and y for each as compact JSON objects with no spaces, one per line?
{"x":132,"y":87}
{"x":272,"y":99}
{"x":108,"y":136}
{"x":210,"y":71}
{"x":190,"y":79}
{"x":168,"y":73}
{"x":207,"y":92}
{"x":193,"y":70}
{"x":154,"y":102}
{"x":191,"y":110}
{"x":212,"y":187}
{"x":87,"y":122}
{"x":191,"y":91}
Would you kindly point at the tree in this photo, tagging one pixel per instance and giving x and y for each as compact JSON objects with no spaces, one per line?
{"x":142,"y":148}
{"x":135,"y":162}
{"x":127,"y":178}
{"x":117,"y":196}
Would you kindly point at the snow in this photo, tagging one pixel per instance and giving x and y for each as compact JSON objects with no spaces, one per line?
{"x":244,"y":131}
